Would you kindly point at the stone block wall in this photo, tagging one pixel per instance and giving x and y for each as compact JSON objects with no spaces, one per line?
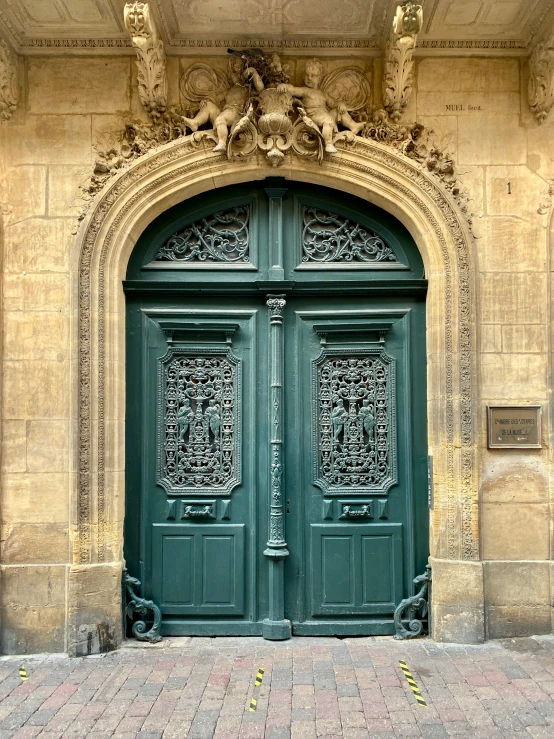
{"x":478,"y":110}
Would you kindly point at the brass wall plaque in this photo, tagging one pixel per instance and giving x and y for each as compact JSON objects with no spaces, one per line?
{"x":515,"y":426}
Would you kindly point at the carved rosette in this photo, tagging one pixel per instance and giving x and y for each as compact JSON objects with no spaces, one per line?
{"x":541,"y":79}
{"x":399,"y":65}
{"x":9,"y":88}
{"x":151,"y":62}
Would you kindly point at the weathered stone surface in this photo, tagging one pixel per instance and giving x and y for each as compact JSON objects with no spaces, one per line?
{"x":515,"y":531}
{"x":461,"y":625}
{"x":38,"y":245}
{"x":457,"y":583}
{"x":517,"y":583}
{"x":37,"y":498}
{"x":518,"y":478}
{"x":34,"y":543}
{"x":28,"y":181}
{"x":14,"y":446}
{"x":47,"y":446}
{"x":36,"y":335}
{"x":513,"y":298}
{"x":50,"y":139}
{"x":95,"y":609}
{"x":513,"y":376}
{"x":77,"y":85}
{"x":510,"y":621}
{"x":468,"y":75}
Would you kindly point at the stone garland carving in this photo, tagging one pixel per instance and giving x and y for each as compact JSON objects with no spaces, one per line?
{"x":328,"y":237}
{"x":460,"y":488}
{"x":354,"y":421}
{"x":151,"y":63}
{"x":199,"y":421}
{"x":541,"y":79}
{"x":399,"y":65}
{"x":221,"y":237}
{"x":9,"y":87}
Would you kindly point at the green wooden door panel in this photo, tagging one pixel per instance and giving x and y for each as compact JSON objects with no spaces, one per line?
{"x":200,"y":567}
{"x":207,"y":408}
{"x":357,"y":569}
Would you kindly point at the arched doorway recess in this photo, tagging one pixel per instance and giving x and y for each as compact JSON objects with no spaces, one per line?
{"x":105,"y":241}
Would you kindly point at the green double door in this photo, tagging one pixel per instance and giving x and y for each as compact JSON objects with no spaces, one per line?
{"x":276,"y":440}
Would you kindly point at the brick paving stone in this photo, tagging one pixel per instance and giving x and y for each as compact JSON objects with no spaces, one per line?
{"x":313,"y":687}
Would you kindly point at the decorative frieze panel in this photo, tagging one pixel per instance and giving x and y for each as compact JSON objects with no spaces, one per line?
{"x":354,"y":421}
{"x":328,"y":237}
{"x":221,"y":237}
{"x":199,"y":421}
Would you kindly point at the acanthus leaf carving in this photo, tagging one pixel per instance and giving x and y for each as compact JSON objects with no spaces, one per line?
{"x":9,"y":86}
{"x":151,"y":61}
{"x":541,"y":79}
{"x":399,"y":65}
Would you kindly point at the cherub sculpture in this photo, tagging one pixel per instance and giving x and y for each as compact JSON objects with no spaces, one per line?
{"x":320,"y":107}
{"x":225,"y":110}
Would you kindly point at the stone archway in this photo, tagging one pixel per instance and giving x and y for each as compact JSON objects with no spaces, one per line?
{"x":104,"y":243}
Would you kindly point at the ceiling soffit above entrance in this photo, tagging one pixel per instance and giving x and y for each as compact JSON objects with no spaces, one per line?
{"x":205,"y":26}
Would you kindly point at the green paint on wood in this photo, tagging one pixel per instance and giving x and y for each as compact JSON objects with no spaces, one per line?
{"x":303,"y":436}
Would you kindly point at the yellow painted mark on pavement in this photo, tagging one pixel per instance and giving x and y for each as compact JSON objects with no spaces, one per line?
{"x":412,"y":683}
{"x":257,"y":683}
{"x":23,"y":673}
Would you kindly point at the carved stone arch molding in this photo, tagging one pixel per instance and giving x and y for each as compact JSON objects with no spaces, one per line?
{"x":107,"y":235}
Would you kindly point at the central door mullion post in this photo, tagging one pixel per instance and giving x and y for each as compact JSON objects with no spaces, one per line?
{"x":276,"y":626}
{"x":275,"y":196}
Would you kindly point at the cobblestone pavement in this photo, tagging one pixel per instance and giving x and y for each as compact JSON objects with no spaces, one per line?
{"x":318,"y":687}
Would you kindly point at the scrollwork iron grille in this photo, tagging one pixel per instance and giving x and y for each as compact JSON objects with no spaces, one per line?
{"x":328,"y":237}
{"x":220,"y":237}
{"x":199,"y":421}
{"x":354,"y":421}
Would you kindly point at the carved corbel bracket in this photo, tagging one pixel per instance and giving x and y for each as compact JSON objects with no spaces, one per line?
{"x":398,"y":75}
{"x":9,"y":87}
{"x":541,"y":79}
{"x":151,"y":61}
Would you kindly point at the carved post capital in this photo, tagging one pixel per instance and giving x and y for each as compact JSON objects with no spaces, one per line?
{"x":398,"y":74}
{"x":541,"y":79}
{"x":151,"y":61}
{"x":9,"y":87}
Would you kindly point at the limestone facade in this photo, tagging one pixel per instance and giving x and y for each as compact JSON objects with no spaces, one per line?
{"x":63,"y":332}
